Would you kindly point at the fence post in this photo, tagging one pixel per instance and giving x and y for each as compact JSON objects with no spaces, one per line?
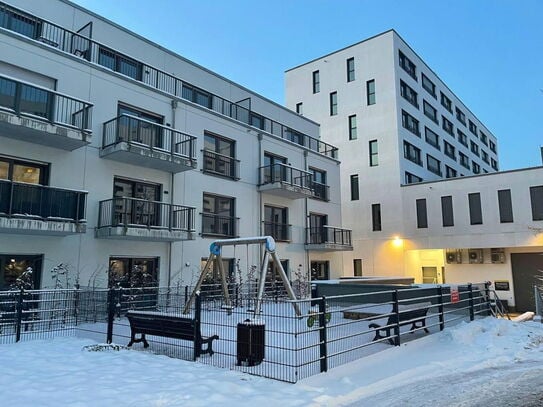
{"x":487,"y":296}
{"x":396,"y":311}
{"x":110,"y":314}
{"x":197,"y":321}
{"x":470,"y":293}
{"x":322,"y":335}
{"x":440,"y":308}
{"x":19,"y":315}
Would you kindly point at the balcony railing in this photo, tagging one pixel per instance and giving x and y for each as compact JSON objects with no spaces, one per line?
{"x":133,"y":130}
{"x":285,"y":174}
{"x":281,"y":232}
{"x":217,"y":225}
{"x":41,"y":202}
{"x":29,"y":100}
{"x":139,"y":213}
{"x":220,"y":164}
{"x":321,"y":191}
{"x":329,"y":235}
{"x":76,"y":44}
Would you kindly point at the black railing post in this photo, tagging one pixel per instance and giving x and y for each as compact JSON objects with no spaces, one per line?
{"x":396,"y":312}
{"x":19,"y":315}
{"x":197,"y":321}
{"x":470,"y":294}
{"x":110,"y":314}
{"x":17,"y":105}
{"x":440,"y":308}
{"x":322,"y":335}
{"x":487,"y":296}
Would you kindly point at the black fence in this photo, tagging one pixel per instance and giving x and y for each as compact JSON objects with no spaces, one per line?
{"x":287,"y":340}
{"x":220,"y":164}
{"x":329,"y":234}
{"x":285,"y":174}
{"x":281,"y":232}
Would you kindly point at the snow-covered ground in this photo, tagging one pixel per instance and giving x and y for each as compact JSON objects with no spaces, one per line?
{"x":486,"y":362}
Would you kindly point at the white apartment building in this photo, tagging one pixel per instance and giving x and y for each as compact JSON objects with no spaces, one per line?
{"x":401,"y":132}
{"x":123,"y":160}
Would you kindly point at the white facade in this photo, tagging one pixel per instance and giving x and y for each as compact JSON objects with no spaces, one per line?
{"x":119,"y":70}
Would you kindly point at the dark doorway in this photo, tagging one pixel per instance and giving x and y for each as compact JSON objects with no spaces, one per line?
{"x":526,"y":267}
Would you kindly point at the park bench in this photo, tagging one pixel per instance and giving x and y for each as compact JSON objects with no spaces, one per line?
{"x":414,"y":314}
{"x":170,"y":326}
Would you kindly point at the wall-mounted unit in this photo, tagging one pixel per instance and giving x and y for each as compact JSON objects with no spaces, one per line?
{"x":497,"y":256}
{"x":453,"y":256}
{"x":475,"y":256}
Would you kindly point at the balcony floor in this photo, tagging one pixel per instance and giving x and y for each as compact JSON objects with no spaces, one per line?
{"x":329,"y":247}
{"x":286,"y":190}
{"x":34,"y":226}
{"x":143,"y":234}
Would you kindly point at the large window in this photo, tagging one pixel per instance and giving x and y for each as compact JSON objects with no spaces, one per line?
{"x":370,"y":92}
{"x":20,"y":23}
{"x":353,"y":132}
{"x":475,"y":211}
{"x":276,"y":223}
{"x":411,"y":178}
{"x":447,"y":125}
{"x":119,"y":63}
{"x":460,"y":116}
{"x":407,"y":65}
{"x":218,"y":216}
{"x":320,"y":270}
{"x":141,"y":208}
{"x":431,"y":138}
{"x":430,"y":111}
{"x":447,"y":211}
{"x":483,"y":137}
{"x":464,"y":160}
{"x":428,"y":85}
{"x":536,"y":198}
{"x":505,"y":206}
{"x":449,"y":150}
{"x":422,"y":216}
{"x":412,"y":153}
{"x":433,"y":164}
{"x":317,"y":231}
{"x":130,"y":272}
{"x":450,"y":172}
{"x":23,"y":171}
{"x":374,"y":153}
{"x":320,"y":189}
{"x":355,"y":193}
{"x":197,"y":95}
{"x":140,"y":131}
{"x":376,"y":217}
{"x":409,"y":94}
{"x":316,"y":82}
{"x":492,"y":146}
{"x":446,"y":102}
{"x":219,"y":156}
{"x":462,"y":138}
{"x":473,"y":127}
{"x":20,"y":271}
{"x":333,"y":103}
{"x":410,"y":123}
{"x":350,"y":70}
{"x":494,"y":164}
{"x":474,"y":148}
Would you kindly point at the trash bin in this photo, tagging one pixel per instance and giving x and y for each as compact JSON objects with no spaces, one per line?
{"x":251,"y":342}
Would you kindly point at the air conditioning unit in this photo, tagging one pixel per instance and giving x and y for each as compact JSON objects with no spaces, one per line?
{"x":497,"y":256}
{"x":475,"y":256}
{"x":453,"y":256}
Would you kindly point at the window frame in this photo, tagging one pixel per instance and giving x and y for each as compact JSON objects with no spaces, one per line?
{"x":316,"y":81}
{"x":350,"y":69}
{"x":353,"y":130}
{"x":333,"y":103}
{"x":373,"y":155}
{"x":370,"y":92}
{"x":355,"y":187}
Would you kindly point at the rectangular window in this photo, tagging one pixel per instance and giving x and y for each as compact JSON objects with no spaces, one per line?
{"x":428,"y":85}
{"x":505,"y":205}
{"x":357,"y":267}
{"x":431,"y":138}
{"x":472,"y":127}
{"x":370,"y":92}
{"x":220,"y":156}
{"x":218,"y":216}
{"x":197,"y":95}
{"x":355,"y":193}
{"x":450,"y":172}
{"x":464,"y":160}
{"x":14,"y":273}
{"x":126,"y":271}
{"x":316,"y":82}
{"x":350,"y":70}
{"x":376,"y":217}
{"x":484,"y":156}
{"x":446,"y":102}
{"x":492,"y":146}
{"x":476,"y":168}
{"x":494,"y":164}
{"x":407,"y":65}
{"x":352,"y":128}
{"x":475,"y":211}
{"x":412,"y":153}
{"x":23,"y":171}
{"x":299,"y":108}
{"x":474,"y":148}
{"x":460,"y":116}
{"x":333,"y":103}
{"x":462,"y":138}
{"x":447,"y":211}
{"x":374,"y":153}
{"x":447,"y":126}
{"x":422,"y":216}
{"x":410,"y":123}
{"x":536,"y":197}
{"x":483,"y":138}
{"x":119,"y":63}
{"x":449,"y":150}
{"x":411,"y":178}
{"x":409,"y":94}
{"x":276,"y":223}
{"x":320,"y":270}
{"x":433,"y":164}
{"x":320,"y":189}
{"x":430,"y":111}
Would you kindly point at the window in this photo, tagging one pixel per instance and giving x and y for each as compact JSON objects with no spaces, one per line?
{"x":492,"y":146}
{"x":446,"y":102}
{"x":352,"y":128}
{"x":431,"y":138}
{"x":357,"y":267}
{"x":505,"y":206}
{"x":144,"y":132}
{"x":300,"y":108}
{"x":484,"y":156}
{"x":433,"y":164}
{"x":276,"y":223}
{"x":14,"y":274}
{"x":256,"y":120}
{"x":21,"y":23}
{"x":411,"y":178}
{"x":274,"y":169}
{"x":447,"y":126}
{"x":409,"y":94}
{"x":197,"y":95}
{"x":536,"y":198}
{"x":370,"y":92}
{"x":422,"y":216}
{"x":139,"y":209}
{"x":476,"y":168}
{"x":119,"y":63}
{"x":333,"y":103}
{"x":220,"y":156}
{"x":449,"y":150}
{"x":134,"y":272}
{"x":462,"y":138}
{"x":214,"y":276}
{"x":428,"y":85}
{"x":218,"y":215}
{"x":23,"y":171}
{"x":316,"y":82}
{"x":450,"y":172}
{"x":474,"y":148}
{"x":320,"y":189}
{"x":374,"y":153}
{"x":447,"y":211}
{"x":320,"y":270}
{"x":475,"y":212}
{"x":355,"y":193}
{"x":472,"y":127}
{"x":464,"y":160}
{"x":376,"y":217}
{"x":407,"y":65}
{"x":494,"y":164}
{"x":318,"y":234}
{"x":430,"y":111}
{"x":412,"y":153}
{"x":410,"y":123}
{"x":350,"y":70}
{"x":483,"y":138}
{"x":460,"y":116}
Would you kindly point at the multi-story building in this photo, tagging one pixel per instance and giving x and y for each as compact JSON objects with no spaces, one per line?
{"x":402,"y":132}
{"x":123,"y":160}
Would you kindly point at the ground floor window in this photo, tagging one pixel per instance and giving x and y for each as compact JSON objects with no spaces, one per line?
{"x":20,"y":271}
{"x":320,"y":270}
{"x":129,"y":272}
{"x":214,"y":276}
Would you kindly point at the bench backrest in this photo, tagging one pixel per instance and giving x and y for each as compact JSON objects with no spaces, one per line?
{"x":164,"y":325}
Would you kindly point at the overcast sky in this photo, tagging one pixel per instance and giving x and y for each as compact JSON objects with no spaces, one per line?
{"x":489,"y":52}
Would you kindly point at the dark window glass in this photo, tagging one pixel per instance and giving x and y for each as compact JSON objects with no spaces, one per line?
{"x":476,"y":168}
{"x":410,"y":123}
{"x":460,"y":116}
{"x":350,"y":70}
{"x":484,"y":156}
{"x":355,"y":193}
{"x":218,"y":215}
{"x":447,"y":126}
{"x":407,"y":65}
{"x":447,"y":211}
{"x":357,"y":267}
{"x":320,"y":188}
{"x":370,"y":92}
{"x":430,"y":111}
{"x":412,"y":153}
{"x":432,"y":138}
{"x":352,"y":128}
{"x":536,"y":197}
{"x":446,"y":102}
{"x":119,"y":63}
{"x":428,"y":85}
{"x":433,"y":164}
{"x":506,"y":206}
{"x":449,"y":150}
{"x":472,"y":127}
{"x":376,"y":217}
{"x":474,"y":148}
{"x":464,"y":160}
{"x":316,"y":82}
{"x":333,"y":103}
{"x":374,"y":153}
{"x":198,"y":96}
{"x":462,"y":138}
{"x":299,"y":108}
{"x":450,"y":172}
{"x":483,"y":137}
{"x":492,"y":146}
{"x":219,"y":156}
{"x":475,"y":211}
{"x":276,"y":223}
{"x":411,"y":178}
{"x":422,"y":217}
{"x":409,"y":94}
{"x":494,"y":164}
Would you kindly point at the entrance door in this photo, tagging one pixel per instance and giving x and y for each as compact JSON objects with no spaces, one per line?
{"x":526,"y":269}
{"x":430,"y":275}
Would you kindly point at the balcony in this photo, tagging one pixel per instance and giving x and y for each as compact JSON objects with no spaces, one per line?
{"x":220,"y":226}
{"x":220,"y":165}
{"x":321,"y":191}
{"x":285,"y":181}
{"x":38,"y":115}
{"x":329,"y":238}
{"x":281,"y":232}
{"x":136,"y":141}
{"x":138,"y":219}
{"x":41,"y":210}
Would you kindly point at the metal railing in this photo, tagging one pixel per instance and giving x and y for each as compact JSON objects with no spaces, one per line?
{"x":329,"y":234}
{"x":321,"y":191}
{"x":26,"y":99}
{"x":134,"y":212}
{"x":279,"y":231}
{"x":74,"y":43}
{"x":41,"y":202}
{"x":218,"y":225}
{"x":285,"y":174}
{"x":220,"y":164}
{"x":133,"y":130}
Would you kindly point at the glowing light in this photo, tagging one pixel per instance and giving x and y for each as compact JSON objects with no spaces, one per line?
{"x":397,"y":241}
